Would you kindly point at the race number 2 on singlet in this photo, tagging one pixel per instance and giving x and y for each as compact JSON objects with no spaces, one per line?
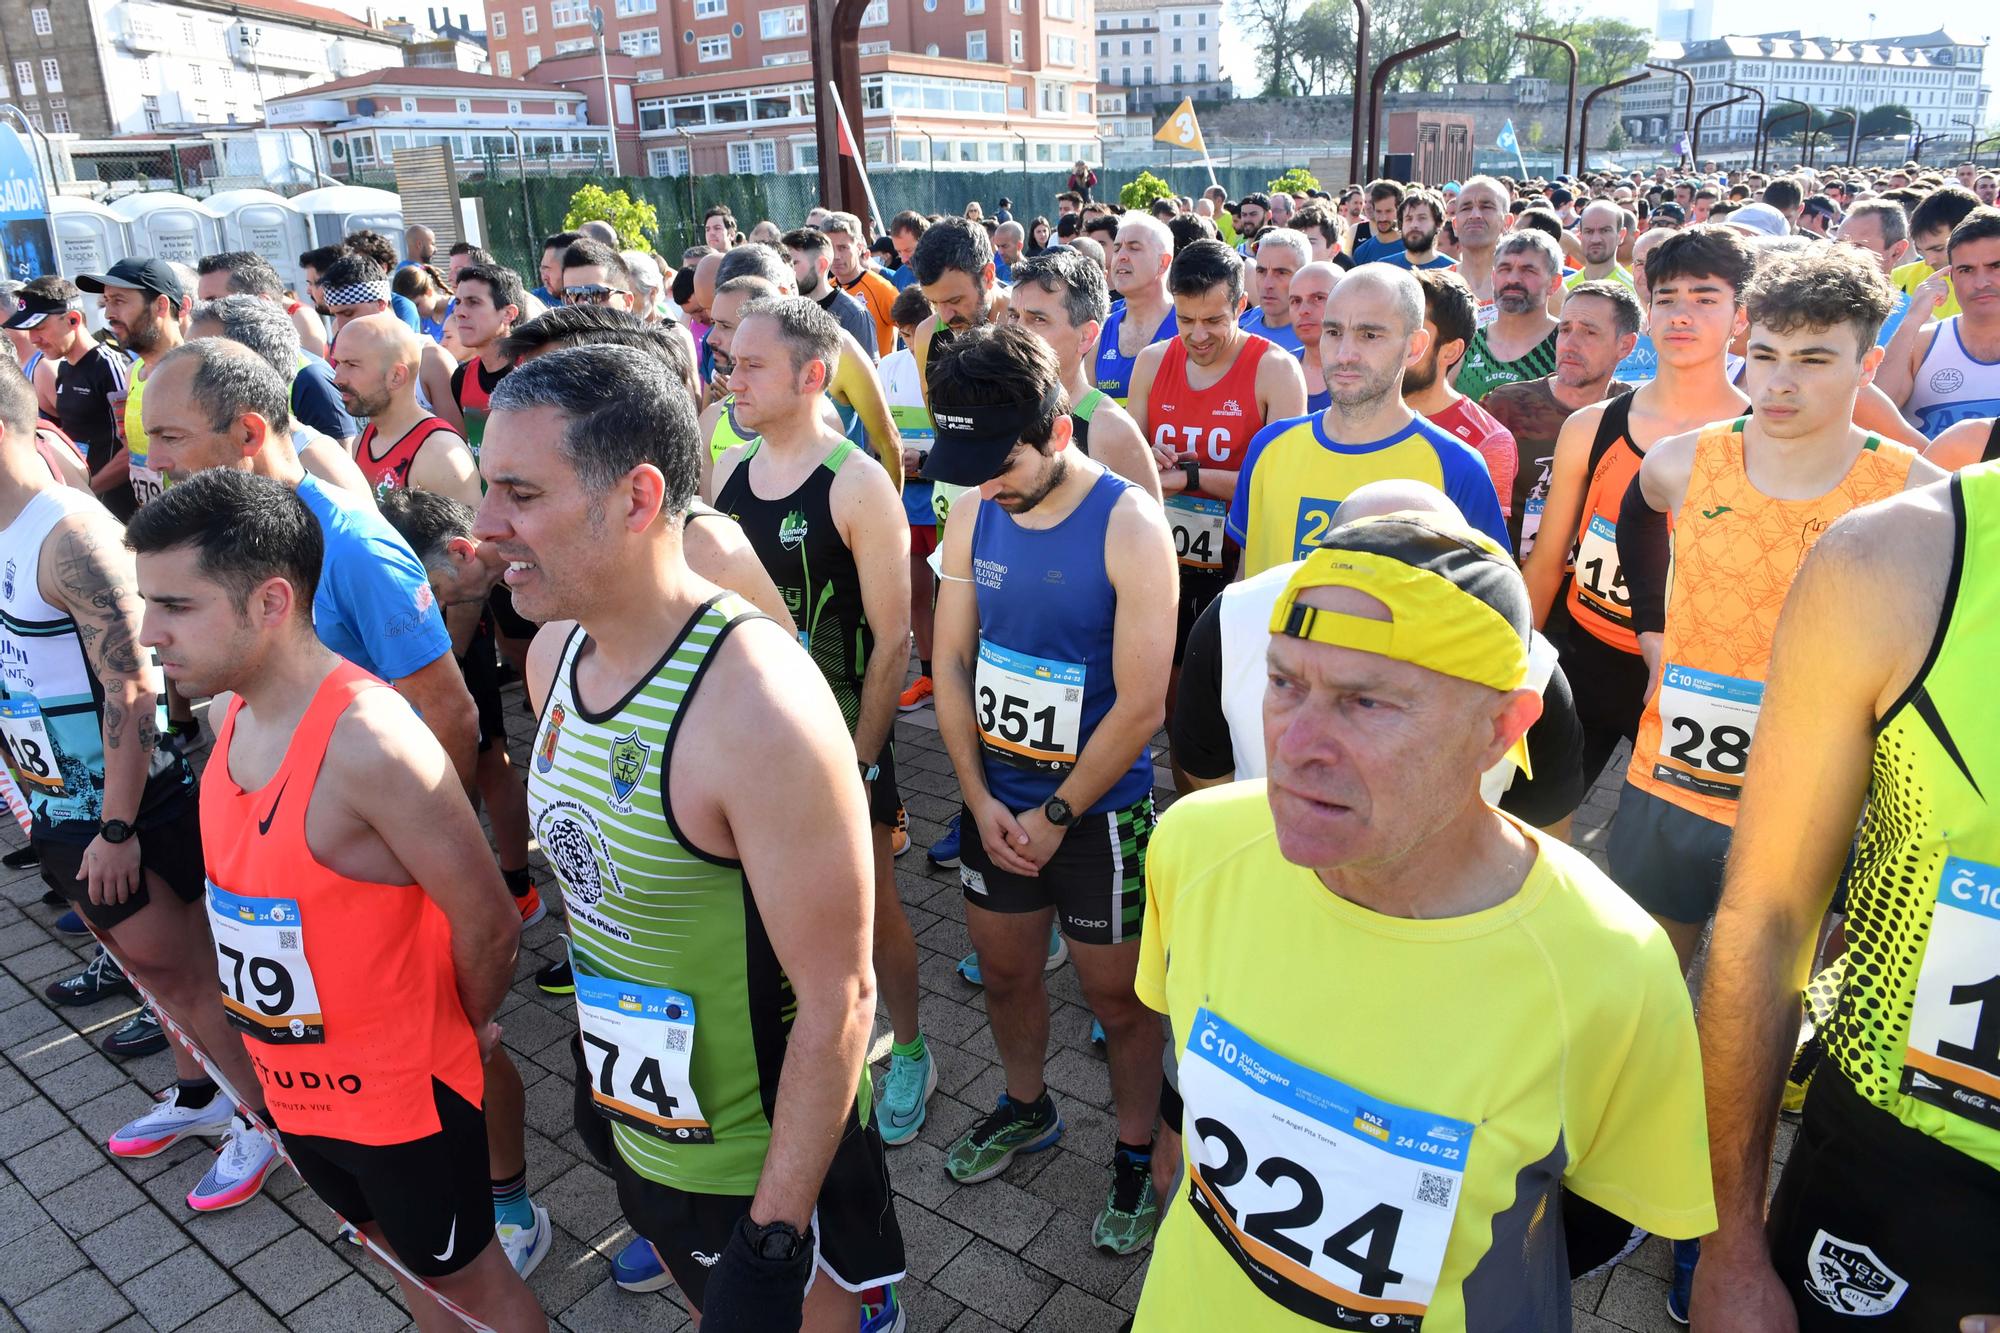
{"x":1953,"y":1057}
{"x":260,"y":959}
{"x":1335,"y":1205}
{"x":638,"y":1042}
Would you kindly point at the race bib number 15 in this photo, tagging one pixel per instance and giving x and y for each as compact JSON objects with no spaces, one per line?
{"x":1337,"y":1206}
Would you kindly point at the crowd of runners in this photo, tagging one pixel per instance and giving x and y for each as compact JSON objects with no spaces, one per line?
{"x":1403,"y":511}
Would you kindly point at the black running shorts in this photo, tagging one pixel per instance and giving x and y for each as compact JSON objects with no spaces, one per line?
{"x":1096,"y":881}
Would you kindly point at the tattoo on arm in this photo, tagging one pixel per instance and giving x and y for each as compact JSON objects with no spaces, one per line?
{"x":103,"y":600}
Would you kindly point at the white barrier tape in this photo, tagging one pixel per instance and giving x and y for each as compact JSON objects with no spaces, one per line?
{"x":174,"y":1030}
{"x":17,"y":804}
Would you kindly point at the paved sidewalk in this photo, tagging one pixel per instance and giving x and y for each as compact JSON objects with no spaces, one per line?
{"x":89,"y":1243}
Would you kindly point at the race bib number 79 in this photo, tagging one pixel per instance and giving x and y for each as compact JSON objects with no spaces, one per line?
{"x":1336,"y":1205}
{"x":260,"y":959}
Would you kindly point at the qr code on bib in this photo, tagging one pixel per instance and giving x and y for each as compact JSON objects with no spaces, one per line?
{"x":288,"y":939}
{"x":677,"y":1039}
{"x":1434,"y":1188}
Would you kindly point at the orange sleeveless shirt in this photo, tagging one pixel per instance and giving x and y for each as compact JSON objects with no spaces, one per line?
{"x":344,"y":990}
{"x":1735,"y":554}
{"x":1597,"y":599}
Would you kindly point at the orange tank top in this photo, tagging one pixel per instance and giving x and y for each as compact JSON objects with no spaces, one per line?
{"x":1597,"y":600}
{"x":1735,"y":553}
{"x":344,"y":990}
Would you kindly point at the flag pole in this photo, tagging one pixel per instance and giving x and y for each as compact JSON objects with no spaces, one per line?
{"x":857,"y":149}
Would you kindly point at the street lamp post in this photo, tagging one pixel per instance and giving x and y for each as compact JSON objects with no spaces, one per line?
{"x":1769,"y":131}
{"x":1381,"y":79}
{"x":1363,"y":15}
{"x":1569,"y":101}
{"x":1757,"y":130}
{"x":1687,"y":121}
{"x":604,"y":70}
{"x":252,"y":36}
{"x":1971,"y":133}
{"x":1583,"y":116}
{"x":1827,"y":124}
{"x":1694,"y":139}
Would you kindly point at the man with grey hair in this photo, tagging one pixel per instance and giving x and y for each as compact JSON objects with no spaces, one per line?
{"x":314,"y":401}
{"x":1281,"y":252}
{"x":1140,"y":256}
{"x":1882,"y":229}
{"x":1520,"y":344}
{"x":849,"y":251}
{"x":742,"y":1209}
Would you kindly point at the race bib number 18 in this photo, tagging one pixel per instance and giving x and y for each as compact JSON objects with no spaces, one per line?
{"x":1337,"y":1206}
{"x":1953,"y":1057}
{"x":260,"y":959}
{"x":28,"y":738}
{"x":638,"y":1042}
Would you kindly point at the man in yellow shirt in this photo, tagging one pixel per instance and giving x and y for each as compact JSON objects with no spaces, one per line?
{"x":1930,"y":232}
{"x":1404,"y":1021}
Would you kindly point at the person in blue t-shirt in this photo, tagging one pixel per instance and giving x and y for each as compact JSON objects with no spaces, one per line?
{"x":1281,"y":253}
{"x":1385,"y":207}
{"x":374,"y":604}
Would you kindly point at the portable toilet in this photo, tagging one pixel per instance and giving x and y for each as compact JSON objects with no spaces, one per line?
{"x":266,"y":224}
{"x":335,"y":210}
{"x":170,"y":226}
{"x":90,"y":238}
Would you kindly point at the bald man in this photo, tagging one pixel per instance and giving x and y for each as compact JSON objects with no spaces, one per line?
{"x":700,"y":309}
{"x":1311,"y":286}
{"x":599,"y":230}
{"x":1601,"y":232}
{"x":420,"y":245}
{"x":375,"y":368}
{"x":1008,"y":240}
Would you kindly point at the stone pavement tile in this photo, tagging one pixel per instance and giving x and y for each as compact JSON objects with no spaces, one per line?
{"x":570,"y":1270}
{"x":55,"y":1162}
{"x":605,"y":1309}
{"x":1079,"y":1074}
{"x":945,"y":1118}
{"x":948,"y":937}
{"x":973,"y":1322}
{"x":21,"y":935}
{"x":80,"y":1080}
{"x":929,"y":1242}
{"x":13,"y":1088}
{"x":234,"y":1234}
{"x":1072,"y":1310}
{"x":997,"y":1284}
{"x":546,"y":1162}
{"x":133,"y":1324}
{"x":42,"y":961}
{"x":25,"y":1020}
{"x":1003,"y":1213}
{"x":954,"y":1018}
{"x":307,"y":1210}
{"x":1582,"y":1321}
{"x":1071,"y":1181}
{"x":956,"y":1067}
{"x":1788,"y":1134}
{"x":1585,"y":1292}
{"x":1655,"y":1256}
{"x":1128,"y":1294}
{"x":83,"y":1302}
{"x":98,"y":1199}
{"x":103,"y":1114}
{"x":1636,"y":1301}
{"x":529,"y":1027}
{"x":583,"y":1201}
{"x":291,"y":1270}
{"x":349,"y":1306}
{"x":178,"y":1288}
{"x":36,"y":1262}
{"x":133,"y":1243}
{"x":924,"y":1307}
{"x":19,"y":1214}
{"x":46,"y":1052}
{"x":1063,"y":1246}
{"x":240,"y":1314}
{"x":916,"y":1172}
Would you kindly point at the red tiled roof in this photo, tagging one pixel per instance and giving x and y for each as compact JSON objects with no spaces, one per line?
{"x":422,"y":76}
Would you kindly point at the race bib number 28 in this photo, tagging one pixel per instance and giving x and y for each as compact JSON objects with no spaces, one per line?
{"x":1706,"y":723}
{"x":1953,"y":1057}
{"x":1336,"y":1205}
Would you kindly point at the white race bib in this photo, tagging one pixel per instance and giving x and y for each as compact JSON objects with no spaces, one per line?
{"x":1197,"y":522}
{"x":1334,"y":1204}
{"x":146,"y":483}
{"x":1598,"y":577}
{"x":1030,"y":709}
{"x":260,"y":959}
{"x":1706,"y":723}
{"x":1531,"y":523}
{"x":638,"y":1042}
{"x":28,"y":739}
{"x":1953,"y":1057}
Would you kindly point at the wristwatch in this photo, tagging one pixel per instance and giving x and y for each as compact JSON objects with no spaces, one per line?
{"x":1192,"y":471}
{"x":869,"y":772}
{"x":1056,"y":810}
{"x":775,"y":1242}
{"x":115,"y":830}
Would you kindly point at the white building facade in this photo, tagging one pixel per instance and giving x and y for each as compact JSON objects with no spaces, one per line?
{"x":1153,"y":53}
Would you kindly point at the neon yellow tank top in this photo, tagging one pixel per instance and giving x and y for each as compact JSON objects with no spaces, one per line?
{"x":726,"y":435}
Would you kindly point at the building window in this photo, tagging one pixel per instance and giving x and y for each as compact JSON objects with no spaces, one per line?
{"x":40,"y":18}
{"x":668,"y":161}
{"x":499,"y":24}
{"x":876,"y":15}
{"x":529,"y":20}
{"x":975,"y":6}
{"x":534,"y":56}
{"x":1062,"y":9}
{"x":1013,"y":6}
{"x":504,"y":63}
{"x":788,"y":22}
{"x":975,"y":46}
{"x":464,"y":106}
{"x":1062,"y":50}
{"x":640,"y":41}
{"x":513,"y":106}
{"x":409,"y":104}
{"x":1124,"y":48}
{"x":1177,"y":46}
{"x":805,"y":157}
{"x":571,"y":45}
{"x":711,"y":9}
{"x":24,"y":75}
{"x":712,"y":48}
{"x":60,"y":121}
{"x":1015,"y":46}
{"x":739,"y":159}
{"x":1017,"y":97}
{"x":628,"y":8}
{"x":568,"y":13}
{"x":1201,"y":43}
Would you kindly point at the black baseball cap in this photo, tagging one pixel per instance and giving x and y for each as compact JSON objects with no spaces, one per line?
{"x":34,"y":308}
{"x":153,"y":276}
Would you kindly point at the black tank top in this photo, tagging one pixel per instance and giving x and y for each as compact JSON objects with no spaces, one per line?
{"x":803,"y":552}
{"x":1992,"y":449}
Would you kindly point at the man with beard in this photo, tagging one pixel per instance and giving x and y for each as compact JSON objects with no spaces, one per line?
{"x":1253,"y":214}
{"x":375,"y":371}
{"x":1427,"y":387}
{"x":1385,"y":206}
{"x":1296,"y":472}
{"x":1422,"y":218}
{"x":1046,"y":706}
{"x":142,"y":304}
{"x":1140,"y":255}
{"x":811,"y":254}
{"x":1521,"y":343}
{"x":1600,"y":231}
{"x":1478,"y":221}
{"x":1599,"y":325}
{"x":356,"y":286}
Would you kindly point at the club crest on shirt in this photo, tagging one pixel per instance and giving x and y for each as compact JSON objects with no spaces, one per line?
{"x":545,"y":753}
{"x":629,"y":756}
{"x":1850,"y":1279}
{"x":7,"y":582}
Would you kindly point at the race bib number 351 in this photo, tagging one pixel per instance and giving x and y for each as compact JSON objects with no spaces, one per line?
{"x":638,"y":1043}
{"x":1337,"y":1206}
{"x":1030,"y":709}
{"x":260,"y":959}
{"x":1953,"y":1057}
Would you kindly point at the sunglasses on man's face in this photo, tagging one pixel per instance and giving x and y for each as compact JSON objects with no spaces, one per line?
{"x":591,"y":294}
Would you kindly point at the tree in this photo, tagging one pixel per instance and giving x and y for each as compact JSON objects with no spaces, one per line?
{"x":1888,"y":118}
{"x":637,"y":222}
{"x":1296,"y":181}
{"x":1142,"y":192}
{"x":1272,"y":27}
{"x":1615,"y":140}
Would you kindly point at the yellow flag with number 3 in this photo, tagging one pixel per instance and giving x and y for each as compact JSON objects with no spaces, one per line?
{"x":1182,"y":130}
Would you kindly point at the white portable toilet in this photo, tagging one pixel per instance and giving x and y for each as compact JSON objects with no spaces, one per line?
{"x":170,"y":226}
{"x":264,"y":223}
{"x":335,"y":210}
{"x":90,"y":238}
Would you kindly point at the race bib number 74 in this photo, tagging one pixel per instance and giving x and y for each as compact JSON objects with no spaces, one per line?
{"x":638,"y":1043}
{"x":1336,"y":1205}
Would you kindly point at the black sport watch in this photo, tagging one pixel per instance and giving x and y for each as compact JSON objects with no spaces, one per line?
{"x":1056,"y":810}
{"x":115,"y":830}
{"x":775,"y":1242}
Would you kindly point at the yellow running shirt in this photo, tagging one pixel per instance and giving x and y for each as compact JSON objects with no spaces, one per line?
{"x":1379,"y":1110}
